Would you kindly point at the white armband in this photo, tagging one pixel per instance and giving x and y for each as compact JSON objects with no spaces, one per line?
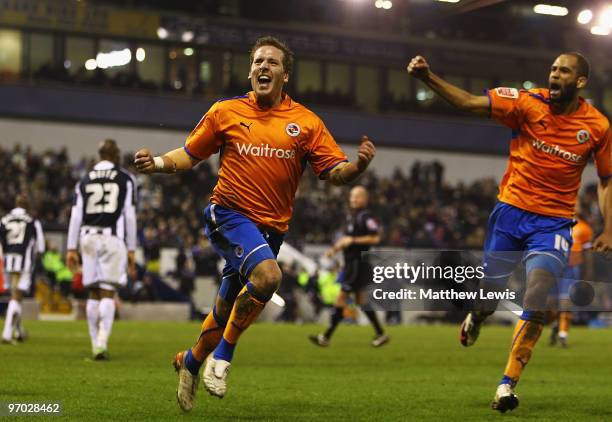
{"x":158,"y":162}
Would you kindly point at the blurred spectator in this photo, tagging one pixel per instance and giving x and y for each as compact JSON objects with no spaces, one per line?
{"x":145,"y":290}
{"x":53,"y":265}
{"x":287,"y":291}
{"x":327,"y":281}
{"x":185,"y":270}
{"x":204,"y":257}
{"x":151,"y":248}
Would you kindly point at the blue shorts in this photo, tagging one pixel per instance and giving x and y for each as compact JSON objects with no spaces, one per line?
{"x":514,"y":234}
{"x":241,"y":243}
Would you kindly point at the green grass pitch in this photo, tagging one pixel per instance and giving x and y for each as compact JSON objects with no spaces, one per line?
{"x":277,"y":375}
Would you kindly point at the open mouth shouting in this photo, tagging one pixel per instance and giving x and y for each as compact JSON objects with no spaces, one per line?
{"x":264,"y":81}
{"x":555,"y":90}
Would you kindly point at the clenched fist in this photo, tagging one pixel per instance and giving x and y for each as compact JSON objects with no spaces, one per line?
{"x":143,"y":160}
{"x":365,"y":153}
{"x":419,"y":68}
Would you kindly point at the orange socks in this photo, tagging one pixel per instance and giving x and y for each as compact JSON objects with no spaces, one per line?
{"x":565,"y":319}
{"x":210,"y":335}
{"x":246,"y":309}
{"x":526,"y":335}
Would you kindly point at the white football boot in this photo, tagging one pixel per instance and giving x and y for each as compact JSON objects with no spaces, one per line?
{"x":188,"y":383}
{"x":215,"y":375}
{"x":504,"y":399}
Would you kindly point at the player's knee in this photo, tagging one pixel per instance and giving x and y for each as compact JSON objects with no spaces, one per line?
{"x":272,"y":280}
{"x":539,"y":283}
{"x":266,"y":277}
{"x":534,"y":301}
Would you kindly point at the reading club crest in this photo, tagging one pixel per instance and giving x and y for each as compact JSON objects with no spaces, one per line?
{"x":582,"y":136}
{"x":293,"y":129}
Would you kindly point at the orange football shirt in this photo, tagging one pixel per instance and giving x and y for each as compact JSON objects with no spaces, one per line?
{"x":548,"y":151}
{"x":263,"y":155}
{"x":582,"y":235}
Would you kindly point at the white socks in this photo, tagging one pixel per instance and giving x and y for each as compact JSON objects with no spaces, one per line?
{"x":13,"y":315}
{"x":93,"y":316}
{"x":107,"y":316}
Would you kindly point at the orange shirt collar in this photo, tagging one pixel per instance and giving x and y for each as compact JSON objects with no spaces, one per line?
{"x":285,"y":99}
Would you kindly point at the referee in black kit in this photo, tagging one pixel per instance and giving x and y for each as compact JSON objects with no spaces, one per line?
{"x":362,"y":231}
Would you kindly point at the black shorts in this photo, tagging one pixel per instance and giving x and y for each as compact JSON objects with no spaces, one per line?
{"x":356,"y":275}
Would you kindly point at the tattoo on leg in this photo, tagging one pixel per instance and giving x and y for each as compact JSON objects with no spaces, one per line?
{"x":244,"y":307}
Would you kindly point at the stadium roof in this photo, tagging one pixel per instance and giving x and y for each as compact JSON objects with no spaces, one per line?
{"x":513,"y":22}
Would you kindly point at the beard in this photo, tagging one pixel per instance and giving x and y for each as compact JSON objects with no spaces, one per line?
{"x":566,"y":93}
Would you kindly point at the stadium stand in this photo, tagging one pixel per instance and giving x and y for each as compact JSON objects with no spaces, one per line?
{"x":419,"y":207}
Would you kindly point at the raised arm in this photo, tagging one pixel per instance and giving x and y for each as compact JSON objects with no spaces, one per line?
{"x":345,"y":173}
{"x":463,"y":100}
{"x":170,"y":162}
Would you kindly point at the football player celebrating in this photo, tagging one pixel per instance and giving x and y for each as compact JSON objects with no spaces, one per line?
{"x":555,"y":131}
{"x":265,"y":139}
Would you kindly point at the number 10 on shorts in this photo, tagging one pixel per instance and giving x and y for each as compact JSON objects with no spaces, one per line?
{"x":561,"y":243}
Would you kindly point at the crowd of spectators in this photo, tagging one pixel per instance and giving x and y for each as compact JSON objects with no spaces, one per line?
{"x":417,"y":206}
{"x":48,"y":177}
